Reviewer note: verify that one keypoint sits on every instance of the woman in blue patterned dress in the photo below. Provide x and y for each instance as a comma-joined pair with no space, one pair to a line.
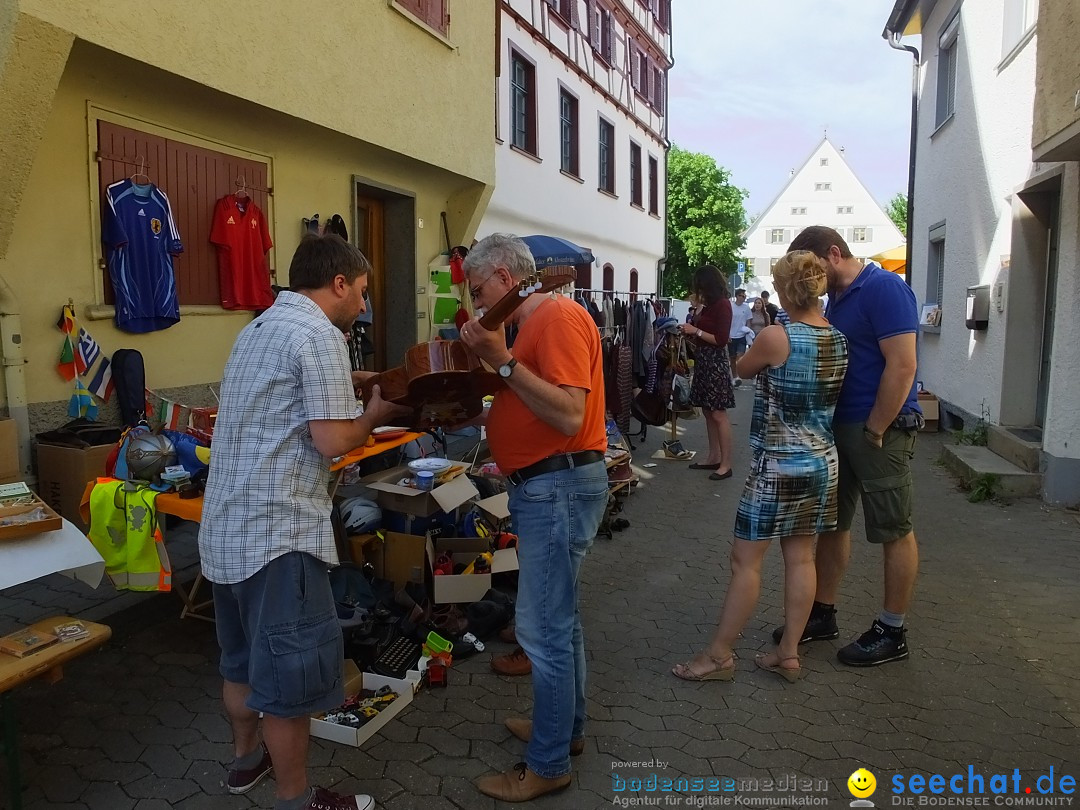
790,494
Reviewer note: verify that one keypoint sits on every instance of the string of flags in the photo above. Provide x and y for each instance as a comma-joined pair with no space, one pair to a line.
78,354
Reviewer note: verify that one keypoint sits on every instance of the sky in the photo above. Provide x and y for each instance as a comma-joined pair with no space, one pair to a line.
757,83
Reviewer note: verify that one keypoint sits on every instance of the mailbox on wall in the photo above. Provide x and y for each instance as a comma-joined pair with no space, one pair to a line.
978,307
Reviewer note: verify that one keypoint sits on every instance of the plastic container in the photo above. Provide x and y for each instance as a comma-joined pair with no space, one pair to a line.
425,480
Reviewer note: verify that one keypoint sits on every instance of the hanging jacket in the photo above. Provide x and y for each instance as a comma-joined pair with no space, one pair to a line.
124,530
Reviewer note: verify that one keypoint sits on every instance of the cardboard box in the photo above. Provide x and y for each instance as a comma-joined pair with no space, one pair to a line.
397,557
928,403
354,682
9,452
390,495
496,508
63,473
458,588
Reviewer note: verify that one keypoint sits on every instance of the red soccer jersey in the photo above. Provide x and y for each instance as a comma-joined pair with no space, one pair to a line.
242,237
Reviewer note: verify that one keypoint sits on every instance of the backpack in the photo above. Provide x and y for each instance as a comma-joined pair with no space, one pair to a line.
129,377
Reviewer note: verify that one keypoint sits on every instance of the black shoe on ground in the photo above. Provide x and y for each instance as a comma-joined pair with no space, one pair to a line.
241,781
878,645
821,626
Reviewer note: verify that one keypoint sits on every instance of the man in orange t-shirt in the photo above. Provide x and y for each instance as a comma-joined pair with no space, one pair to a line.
546,432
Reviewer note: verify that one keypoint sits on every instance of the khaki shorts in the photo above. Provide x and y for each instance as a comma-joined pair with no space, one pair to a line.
881,476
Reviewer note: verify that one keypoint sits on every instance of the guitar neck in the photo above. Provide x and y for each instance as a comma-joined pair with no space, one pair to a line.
550,279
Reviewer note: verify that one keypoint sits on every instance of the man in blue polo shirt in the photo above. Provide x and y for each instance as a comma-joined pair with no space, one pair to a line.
877,418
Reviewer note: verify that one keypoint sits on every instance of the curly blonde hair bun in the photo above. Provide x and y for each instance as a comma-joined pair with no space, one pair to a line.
800,280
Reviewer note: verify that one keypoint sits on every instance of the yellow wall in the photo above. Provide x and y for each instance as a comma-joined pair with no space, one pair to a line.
1057,78
51,254
354,66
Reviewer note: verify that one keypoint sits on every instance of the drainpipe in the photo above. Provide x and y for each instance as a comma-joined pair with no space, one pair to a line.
893,38
12,360
661,263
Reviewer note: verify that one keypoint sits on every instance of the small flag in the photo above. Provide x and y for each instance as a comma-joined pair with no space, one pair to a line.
81,403
102,384
172,416
89,351
66,365
66,324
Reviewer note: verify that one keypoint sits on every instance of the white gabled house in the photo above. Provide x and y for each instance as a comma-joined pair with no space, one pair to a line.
824,191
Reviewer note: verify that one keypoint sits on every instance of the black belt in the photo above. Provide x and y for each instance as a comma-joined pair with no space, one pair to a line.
563,461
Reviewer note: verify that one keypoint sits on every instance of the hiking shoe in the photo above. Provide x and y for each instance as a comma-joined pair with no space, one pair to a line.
513,663
878,645
821,626
241,781
322,799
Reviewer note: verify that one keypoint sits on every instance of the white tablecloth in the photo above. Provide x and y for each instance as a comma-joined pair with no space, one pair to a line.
65,551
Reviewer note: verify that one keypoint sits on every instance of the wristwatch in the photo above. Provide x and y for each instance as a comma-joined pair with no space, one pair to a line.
506,369
699,333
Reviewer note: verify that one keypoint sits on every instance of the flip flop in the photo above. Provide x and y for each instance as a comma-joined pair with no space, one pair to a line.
719,476
724,671
696,466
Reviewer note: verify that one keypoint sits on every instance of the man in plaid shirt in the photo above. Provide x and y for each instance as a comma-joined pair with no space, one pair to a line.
287,408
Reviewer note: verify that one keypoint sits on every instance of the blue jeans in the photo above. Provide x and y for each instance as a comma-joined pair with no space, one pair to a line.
555,517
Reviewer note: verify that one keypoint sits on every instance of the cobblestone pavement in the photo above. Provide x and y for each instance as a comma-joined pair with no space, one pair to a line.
993,680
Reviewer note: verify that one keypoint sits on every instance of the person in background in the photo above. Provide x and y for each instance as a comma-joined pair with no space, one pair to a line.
740,320
770,309
759,317
790,494
265,541
547,433
876,424
710,385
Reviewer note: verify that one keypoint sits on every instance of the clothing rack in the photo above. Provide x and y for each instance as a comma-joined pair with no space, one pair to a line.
637,293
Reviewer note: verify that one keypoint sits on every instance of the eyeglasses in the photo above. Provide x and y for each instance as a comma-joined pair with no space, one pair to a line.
474,292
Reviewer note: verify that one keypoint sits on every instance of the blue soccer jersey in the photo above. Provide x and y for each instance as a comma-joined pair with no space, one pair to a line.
141,239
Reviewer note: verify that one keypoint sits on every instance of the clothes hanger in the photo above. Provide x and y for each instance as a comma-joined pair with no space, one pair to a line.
141,172
241,188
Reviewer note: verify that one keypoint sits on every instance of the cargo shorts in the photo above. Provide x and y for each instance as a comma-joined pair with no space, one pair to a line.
279,634
880,476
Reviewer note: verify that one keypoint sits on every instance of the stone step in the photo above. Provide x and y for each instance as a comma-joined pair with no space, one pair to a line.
971,462
1021,446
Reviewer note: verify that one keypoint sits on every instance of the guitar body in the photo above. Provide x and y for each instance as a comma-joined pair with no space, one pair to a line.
442,380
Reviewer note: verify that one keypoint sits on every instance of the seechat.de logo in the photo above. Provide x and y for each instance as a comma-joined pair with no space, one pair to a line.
862,785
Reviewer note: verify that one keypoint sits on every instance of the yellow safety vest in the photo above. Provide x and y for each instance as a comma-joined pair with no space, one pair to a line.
124,530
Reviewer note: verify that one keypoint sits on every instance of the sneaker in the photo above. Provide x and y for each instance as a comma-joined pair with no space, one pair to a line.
878,645
513,663
821,626
241,781
322,799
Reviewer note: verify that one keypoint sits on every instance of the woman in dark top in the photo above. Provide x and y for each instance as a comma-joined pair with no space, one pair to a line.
710,387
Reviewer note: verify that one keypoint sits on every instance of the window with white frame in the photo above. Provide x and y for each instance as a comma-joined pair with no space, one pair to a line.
823,162
948,53
1020,18
935,270
749,267
776,236
845,209
860,234
822,186
798,211
773,263
568,132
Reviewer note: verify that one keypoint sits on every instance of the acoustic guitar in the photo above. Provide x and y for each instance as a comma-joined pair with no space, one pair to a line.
442,380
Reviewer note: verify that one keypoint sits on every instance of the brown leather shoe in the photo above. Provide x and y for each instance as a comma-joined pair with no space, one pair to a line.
519,784
513,663
508,634
521,727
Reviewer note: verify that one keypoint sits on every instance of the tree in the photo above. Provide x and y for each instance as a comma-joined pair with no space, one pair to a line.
706,219
897,211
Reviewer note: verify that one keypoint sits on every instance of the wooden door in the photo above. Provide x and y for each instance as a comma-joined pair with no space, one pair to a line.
371,239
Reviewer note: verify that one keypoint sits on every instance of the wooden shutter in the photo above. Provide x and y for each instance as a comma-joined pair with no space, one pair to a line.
193,179
609,33
575,20
634,58
594,23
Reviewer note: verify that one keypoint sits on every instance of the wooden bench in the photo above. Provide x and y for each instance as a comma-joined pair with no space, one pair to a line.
46,664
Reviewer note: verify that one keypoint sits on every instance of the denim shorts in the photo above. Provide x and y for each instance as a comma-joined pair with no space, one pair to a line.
278,631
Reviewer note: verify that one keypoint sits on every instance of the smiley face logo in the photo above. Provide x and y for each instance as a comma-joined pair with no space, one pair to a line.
862,784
